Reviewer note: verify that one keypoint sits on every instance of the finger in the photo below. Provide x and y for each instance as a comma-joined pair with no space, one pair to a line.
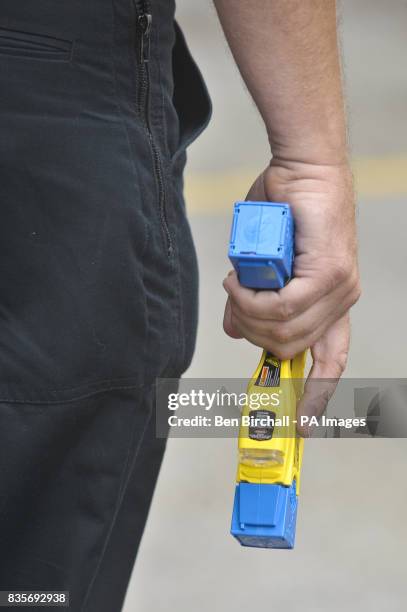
257,191
319,316
282,305
227,322
236,291
282,350
329,355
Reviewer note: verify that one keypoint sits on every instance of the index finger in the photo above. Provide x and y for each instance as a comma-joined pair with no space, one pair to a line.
280,305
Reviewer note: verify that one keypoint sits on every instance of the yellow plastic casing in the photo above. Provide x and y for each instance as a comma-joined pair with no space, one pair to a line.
280,382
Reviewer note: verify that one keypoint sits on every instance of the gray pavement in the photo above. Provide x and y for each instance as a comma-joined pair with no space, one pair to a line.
352,530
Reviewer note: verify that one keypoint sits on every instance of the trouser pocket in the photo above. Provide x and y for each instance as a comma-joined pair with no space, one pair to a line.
191,98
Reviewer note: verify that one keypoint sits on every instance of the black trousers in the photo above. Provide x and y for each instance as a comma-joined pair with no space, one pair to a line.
98,281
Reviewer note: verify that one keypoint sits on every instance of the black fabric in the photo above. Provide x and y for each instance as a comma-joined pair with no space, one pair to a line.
93,305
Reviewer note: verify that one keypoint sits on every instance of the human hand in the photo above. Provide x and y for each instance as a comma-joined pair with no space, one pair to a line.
312,310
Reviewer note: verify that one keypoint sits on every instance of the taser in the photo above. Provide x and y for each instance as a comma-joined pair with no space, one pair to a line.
264,515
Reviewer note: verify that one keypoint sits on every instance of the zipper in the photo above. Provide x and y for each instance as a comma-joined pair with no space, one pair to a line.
144,24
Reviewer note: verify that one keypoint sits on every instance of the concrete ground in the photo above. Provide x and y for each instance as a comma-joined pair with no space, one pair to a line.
351,530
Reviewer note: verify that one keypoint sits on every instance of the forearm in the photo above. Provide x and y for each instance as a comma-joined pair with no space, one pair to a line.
287,52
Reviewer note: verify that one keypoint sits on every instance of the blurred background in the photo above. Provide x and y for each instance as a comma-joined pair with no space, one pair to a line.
351,531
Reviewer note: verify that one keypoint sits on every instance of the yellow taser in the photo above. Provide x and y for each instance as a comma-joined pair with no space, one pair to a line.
270,451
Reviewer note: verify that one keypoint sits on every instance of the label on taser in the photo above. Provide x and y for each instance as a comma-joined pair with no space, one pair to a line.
270,372
261,424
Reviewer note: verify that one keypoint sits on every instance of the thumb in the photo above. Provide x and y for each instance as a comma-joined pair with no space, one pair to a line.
257,191
329,356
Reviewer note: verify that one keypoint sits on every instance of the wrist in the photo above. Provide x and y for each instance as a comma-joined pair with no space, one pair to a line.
311,152
322,142
291,168
308,183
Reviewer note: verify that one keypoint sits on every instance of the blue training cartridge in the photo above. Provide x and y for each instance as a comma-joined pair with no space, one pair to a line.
262,244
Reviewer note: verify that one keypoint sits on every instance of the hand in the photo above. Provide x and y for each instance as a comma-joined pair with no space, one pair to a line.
312,310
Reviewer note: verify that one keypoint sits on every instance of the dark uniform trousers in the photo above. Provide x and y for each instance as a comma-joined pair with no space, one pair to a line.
98,282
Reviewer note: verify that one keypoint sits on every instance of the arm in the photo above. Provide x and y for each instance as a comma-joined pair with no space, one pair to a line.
287,53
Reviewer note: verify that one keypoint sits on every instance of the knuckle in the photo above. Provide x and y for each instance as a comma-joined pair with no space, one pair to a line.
341,360
344,268
283,352
357,291
344,271
279,350
339,273
354,297
282,334
246,307
285,310
337,362
354,291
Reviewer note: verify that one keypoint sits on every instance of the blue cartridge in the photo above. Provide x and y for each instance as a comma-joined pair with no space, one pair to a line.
261,244
264,515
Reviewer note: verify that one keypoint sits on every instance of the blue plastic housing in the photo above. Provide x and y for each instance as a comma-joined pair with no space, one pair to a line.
262,244
264,515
